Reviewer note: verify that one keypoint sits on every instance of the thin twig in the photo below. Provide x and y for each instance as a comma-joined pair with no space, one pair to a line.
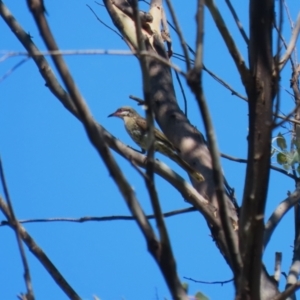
16,66
209,282
10,54
101,219
140,101
245,161
288,120
41,256
276,61
226,85
182,92
57,52
215,77
291,45
180,35
110,28
229,41
237,21
16,226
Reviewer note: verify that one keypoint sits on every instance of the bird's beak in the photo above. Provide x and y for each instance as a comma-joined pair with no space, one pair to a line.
113,115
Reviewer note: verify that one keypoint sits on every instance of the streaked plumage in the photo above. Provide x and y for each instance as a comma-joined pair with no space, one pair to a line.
136,126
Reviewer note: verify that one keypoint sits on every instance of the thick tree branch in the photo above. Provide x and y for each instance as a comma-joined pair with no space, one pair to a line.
165,257
94,132
260,90
185,138
188,192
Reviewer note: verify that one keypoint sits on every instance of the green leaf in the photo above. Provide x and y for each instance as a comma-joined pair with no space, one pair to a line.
281,158
200,296
281,143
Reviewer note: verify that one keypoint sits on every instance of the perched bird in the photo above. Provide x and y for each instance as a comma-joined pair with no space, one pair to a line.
136,126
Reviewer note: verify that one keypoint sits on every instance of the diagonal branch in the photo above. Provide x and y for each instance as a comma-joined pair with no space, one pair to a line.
180,35
194,80
237,21
17,228
188,192
231,46
291,45
279,213
94,132
42,257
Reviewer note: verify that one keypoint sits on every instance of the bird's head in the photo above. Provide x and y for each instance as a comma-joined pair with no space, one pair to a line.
123,112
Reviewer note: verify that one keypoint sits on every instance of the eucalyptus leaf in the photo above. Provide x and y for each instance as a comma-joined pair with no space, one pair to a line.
281,142
281,158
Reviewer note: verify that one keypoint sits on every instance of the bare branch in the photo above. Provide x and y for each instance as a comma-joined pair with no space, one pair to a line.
42,257
209,282
180,35
288,292
237,21
94,132
232,48
242,160
16,66
279,213
277,269
182,92
261,89
188,192
110,28
226,85
291,45
194,80
294,270
17,228
101,219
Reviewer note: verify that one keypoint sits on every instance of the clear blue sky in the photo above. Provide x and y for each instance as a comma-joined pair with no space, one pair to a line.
53,171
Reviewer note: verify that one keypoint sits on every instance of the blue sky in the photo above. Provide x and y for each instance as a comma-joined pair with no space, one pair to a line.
53,171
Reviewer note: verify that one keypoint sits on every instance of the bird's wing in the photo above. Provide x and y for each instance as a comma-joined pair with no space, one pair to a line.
162,138
142,124
159,136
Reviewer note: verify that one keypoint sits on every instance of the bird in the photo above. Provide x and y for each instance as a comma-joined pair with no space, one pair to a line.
136,127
